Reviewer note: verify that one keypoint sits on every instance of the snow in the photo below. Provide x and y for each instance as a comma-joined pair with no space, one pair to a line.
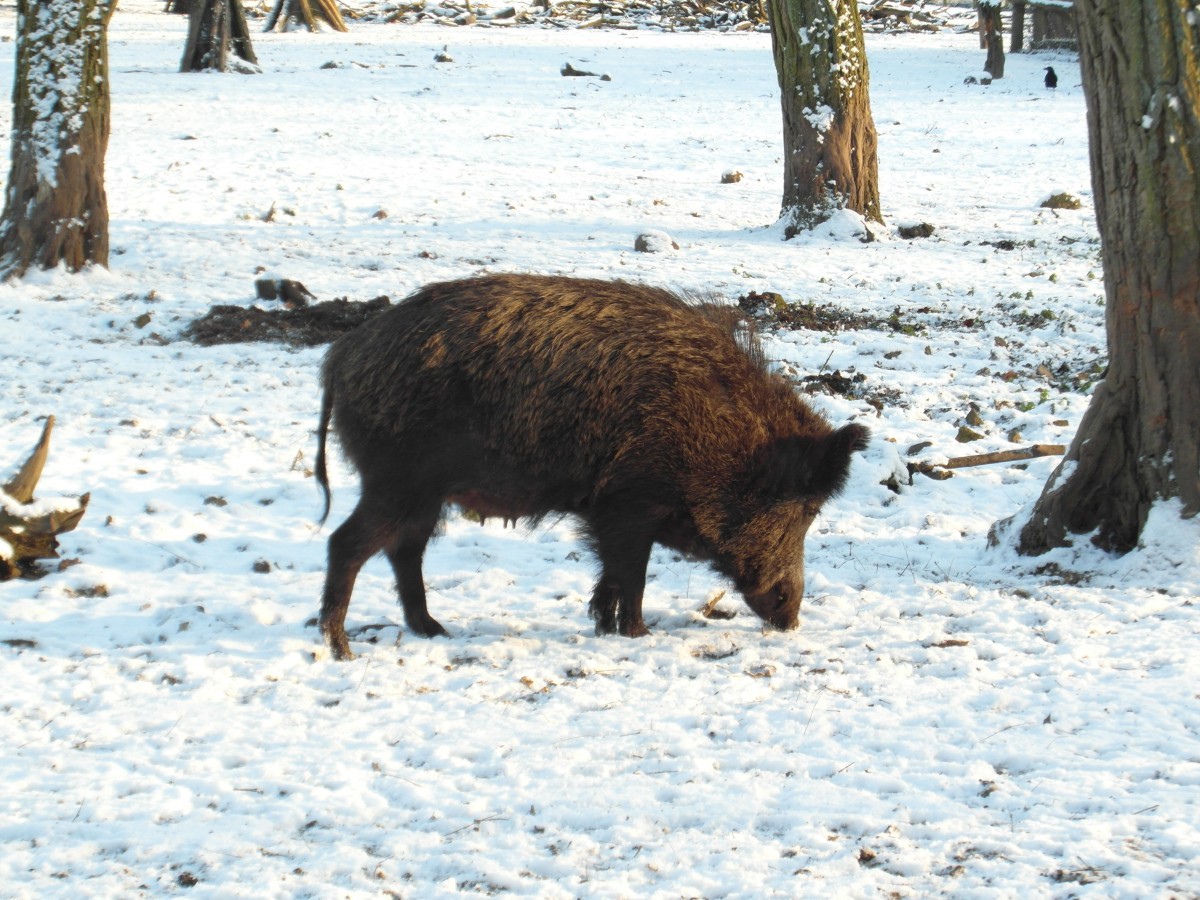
950,720
655,241
41,506
820,120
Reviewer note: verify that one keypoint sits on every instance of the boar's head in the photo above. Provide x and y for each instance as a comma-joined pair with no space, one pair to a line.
788,484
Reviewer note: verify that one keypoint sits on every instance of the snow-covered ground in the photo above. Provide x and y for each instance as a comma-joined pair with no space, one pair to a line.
949,721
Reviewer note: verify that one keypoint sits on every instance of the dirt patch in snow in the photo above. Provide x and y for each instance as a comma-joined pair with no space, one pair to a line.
307,326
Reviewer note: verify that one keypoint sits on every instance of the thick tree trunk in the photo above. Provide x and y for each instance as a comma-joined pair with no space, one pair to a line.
991,37
1140,439
1053,27
1017,42
215,27
55,209
302,11
829,140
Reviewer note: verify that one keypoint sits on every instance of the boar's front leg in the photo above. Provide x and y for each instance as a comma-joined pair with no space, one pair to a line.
624,554
405,558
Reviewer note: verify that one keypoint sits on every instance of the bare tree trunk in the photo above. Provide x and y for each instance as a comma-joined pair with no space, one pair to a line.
55,209
991,36
215,27
829,140
302,11
1139,441
1017,42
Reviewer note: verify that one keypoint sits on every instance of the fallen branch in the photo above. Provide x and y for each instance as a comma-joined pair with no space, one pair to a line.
987,459
939,471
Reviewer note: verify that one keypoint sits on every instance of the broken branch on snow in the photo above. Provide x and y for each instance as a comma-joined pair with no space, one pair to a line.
940,471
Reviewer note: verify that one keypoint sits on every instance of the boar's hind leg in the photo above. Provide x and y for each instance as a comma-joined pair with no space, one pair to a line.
617,599
357,539
405,556
369,529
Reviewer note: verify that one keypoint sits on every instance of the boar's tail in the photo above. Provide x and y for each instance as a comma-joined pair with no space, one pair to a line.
322,433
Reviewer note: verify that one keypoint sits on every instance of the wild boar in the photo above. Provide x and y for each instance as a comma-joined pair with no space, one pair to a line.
650,417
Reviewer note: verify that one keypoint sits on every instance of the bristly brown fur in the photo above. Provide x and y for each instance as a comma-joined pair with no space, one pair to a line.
651,418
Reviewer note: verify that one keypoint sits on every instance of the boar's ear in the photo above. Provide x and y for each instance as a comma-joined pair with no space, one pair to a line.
816,465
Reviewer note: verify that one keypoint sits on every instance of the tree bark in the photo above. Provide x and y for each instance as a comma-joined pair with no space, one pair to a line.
1053,27
1016,43
829,139
302,11
1139,441
214,28
991,37
55,208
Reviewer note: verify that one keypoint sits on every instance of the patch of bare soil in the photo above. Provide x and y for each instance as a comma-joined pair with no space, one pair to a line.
306,326
772,310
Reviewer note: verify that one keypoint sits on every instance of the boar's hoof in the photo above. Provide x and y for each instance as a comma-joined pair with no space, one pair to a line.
634,629
339,646
429,627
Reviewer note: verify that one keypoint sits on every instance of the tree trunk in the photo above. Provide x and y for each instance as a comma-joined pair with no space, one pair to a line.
1053,27
286,11
991,36
1139,441
1017,42
215,27
55,209
829,138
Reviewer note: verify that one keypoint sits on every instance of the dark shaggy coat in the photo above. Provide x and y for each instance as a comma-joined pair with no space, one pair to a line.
650,417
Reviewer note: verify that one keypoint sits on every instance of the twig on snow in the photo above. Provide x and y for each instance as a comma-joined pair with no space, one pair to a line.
477,822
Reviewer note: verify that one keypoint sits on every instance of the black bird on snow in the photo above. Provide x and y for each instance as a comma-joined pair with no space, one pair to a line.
1051,78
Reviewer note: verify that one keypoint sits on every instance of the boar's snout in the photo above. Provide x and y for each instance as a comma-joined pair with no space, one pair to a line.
779,606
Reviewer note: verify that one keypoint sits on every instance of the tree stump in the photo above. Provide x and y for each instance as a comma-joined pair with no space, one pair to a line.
28,531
